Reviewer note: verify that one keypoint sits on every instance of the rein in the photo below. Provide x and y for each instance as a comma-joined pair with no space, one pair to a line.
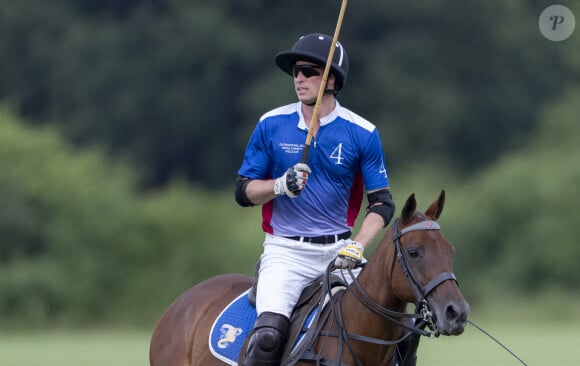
498,342
423,316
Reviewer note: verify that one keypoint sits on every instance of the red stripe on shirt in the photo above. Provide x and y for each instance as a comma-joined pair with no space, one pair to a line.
355,199
267,209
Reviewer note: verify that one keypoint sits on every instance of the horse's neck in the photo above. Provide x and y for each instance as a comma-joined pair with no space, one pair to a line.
359,319
376,282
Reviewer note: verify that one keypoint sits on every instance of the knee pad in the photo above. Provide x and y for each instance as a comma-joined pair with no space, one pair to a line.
266,346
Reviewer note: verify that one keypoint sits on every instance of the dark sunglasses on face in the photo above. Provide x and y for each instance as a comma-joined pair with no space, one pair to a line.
307,70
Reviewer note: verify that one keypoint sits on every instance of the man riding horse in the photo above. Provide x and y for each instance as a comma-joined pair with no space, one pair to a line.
309,209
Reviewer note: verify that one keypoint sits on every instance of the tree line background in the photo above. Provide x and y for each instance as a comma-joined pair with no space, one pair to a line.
123,123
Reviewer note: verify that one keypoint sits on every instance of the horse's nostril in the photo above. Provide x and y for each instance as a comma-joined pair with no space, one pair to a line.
457,313
451,312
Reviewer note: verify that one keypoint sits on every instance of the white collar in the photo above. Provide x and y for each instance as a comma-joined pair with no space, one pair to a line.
323,121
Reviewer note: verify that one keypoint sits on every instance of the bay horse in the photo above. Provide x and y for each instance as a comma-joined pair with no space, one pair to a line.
363,324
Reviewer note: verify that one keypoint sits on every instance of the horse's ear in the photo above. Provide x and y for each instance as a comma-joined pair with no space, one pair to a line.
436,207
409,208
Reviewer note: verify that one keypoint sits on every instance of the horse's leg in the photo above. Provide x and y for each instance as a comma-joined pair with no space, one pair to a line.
181,335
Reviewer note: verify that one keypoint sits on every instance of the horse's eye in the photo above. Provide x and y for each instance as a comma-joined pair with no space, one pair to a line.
413,252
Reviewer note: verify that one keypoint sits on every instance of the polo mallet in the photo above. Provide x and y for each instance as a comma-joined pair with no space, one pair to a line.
322,88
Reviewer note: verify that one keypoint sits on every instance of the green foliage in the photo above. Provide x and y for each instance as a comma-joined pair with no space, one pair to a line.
64,224
165,82
522,232
514,224
79,246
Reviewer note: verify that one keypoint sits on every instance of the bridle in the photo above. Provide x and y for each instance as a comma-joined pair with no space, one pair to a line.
419,290
422,318
423,315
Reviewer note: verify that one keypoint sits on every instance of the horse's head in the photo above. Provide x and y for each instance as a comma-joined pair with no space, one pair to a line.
423,270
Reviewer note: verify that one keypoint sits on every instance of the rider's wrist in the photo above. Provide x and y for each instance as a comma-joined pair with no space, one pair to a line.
279,187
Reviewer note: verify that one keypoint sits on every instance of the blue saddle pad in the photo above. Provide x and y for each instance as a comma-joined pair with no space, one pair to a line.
231,328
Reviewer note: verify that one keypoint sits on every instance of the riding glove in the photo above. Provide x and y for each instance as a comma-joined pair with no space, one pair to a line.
293,181
349,256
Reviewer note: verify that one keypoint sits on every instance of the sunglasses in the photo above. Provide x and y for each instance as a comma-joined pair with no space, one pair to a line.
307,70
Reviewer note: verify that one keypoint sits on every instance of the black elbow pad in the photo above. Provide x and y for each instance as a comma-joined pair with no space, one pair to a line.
381,202
240,192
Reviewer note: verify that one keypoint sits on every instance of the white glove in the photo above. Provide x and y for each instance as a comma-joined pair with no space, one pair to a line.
349,256
293,181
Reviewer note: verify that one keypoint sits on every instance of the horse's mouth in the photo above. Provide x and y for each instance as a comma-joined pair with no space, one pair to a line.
452,329
454,319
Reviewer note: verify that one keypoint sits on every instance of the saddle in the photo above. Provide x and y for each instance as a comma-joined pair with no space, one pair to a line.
233,327
304,317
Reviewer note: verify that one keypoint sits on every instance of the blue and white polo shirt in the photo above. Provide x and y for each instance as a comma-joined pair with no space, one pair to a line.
346,158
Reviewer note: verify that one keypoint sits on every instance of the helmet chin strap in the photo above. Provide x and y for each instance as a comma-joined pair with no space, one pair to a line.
326,91
331,91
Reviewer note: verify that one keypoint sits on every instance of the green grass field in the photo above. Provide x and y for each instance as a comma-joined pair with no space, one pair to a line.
536,344
113,348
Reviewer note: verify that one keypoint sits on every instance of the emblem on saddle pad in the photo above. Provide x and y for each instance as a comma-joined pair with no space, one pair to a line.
229,335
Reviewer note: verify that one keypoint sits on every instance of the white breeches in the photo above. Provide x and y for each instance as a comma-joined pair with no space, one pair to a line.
287,267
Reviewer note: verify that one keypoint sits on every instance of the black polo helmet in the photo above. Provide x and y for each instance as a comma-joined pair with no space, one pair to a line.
315,48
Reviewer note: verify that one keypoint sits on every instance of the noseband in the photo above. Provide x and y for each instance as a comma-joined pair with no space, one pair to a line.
421,291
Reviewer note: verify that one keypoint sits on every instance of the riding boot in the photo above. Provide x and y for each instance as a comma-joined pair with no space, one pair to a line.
266,345
410,353
406,351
